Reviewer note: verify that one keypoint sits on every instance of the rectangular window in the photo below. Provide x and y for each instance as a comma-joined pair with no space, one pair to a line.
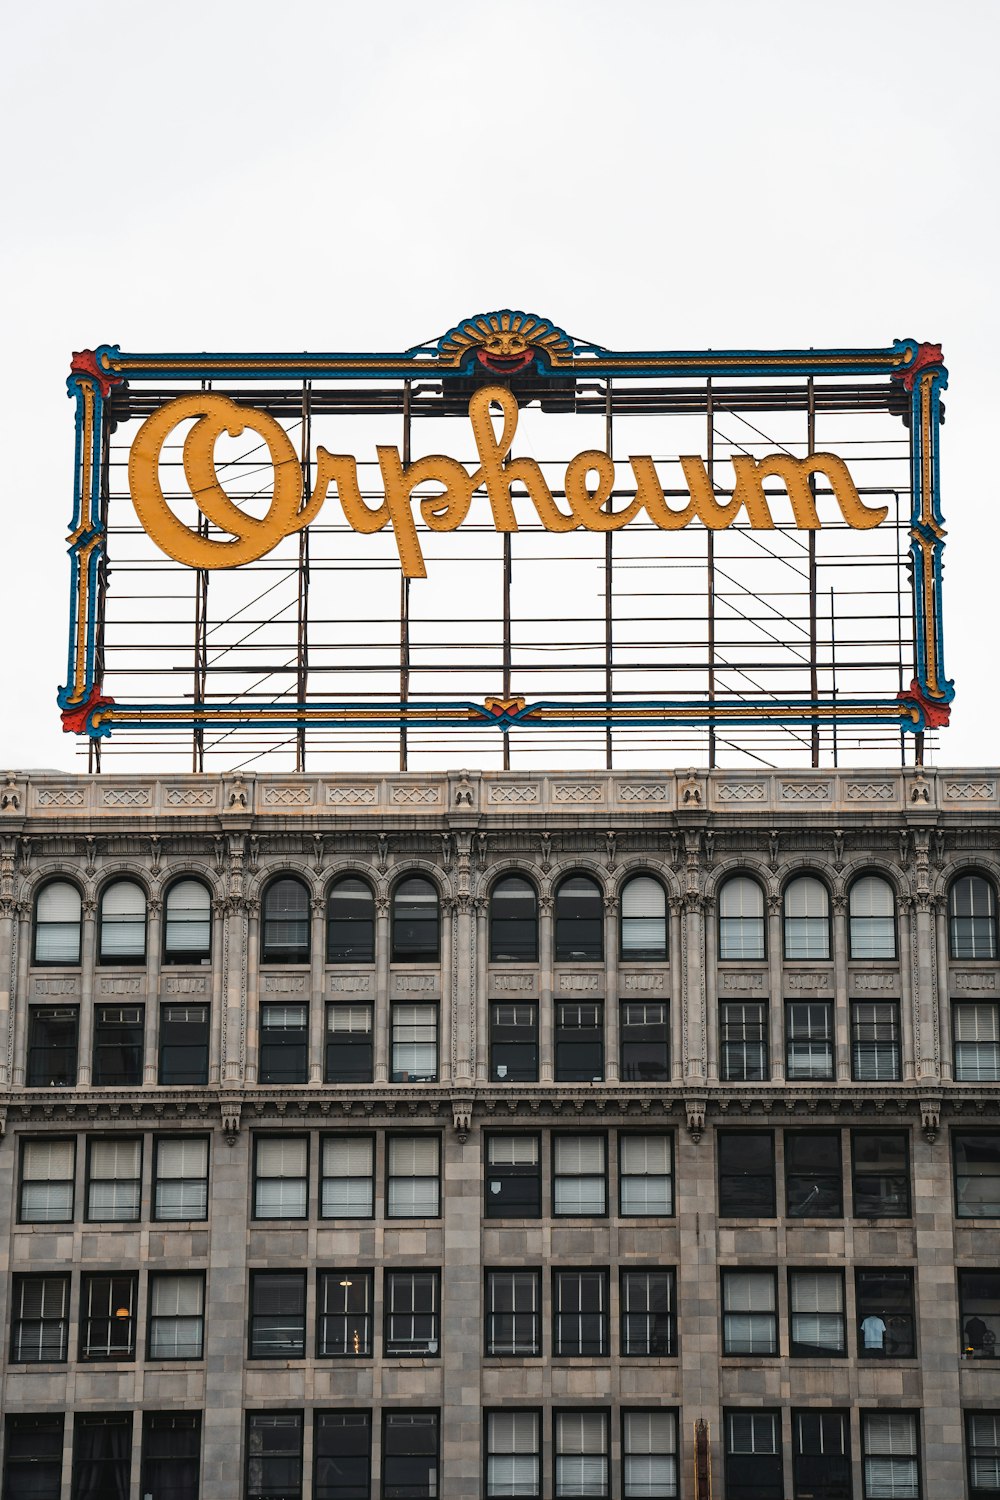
579,1043
52,1046
885,1314
118,1045
645,1176
513,1177
982,1447
979,1313
349,1054
816,1314
753,1455
180,1187
414,1044
644,1037
410,1455
579,1175
47,1171
344,1308
102,1455
274,1455
171,1452
749,1312
513,1453
39,1324
33,1449
176,1315
881,1174
875,1056
580,1313
889,1446
977,1043
647,1313
977,1174
581,1448
414,1177
514,1041
412,1314
809,1039
821,1455
743,1033
281,1177
746,1174
514,1313
814,1182
183,1044
114,1179
107,1317
649,1454
342,1448
284,1044
277,1314
347,1183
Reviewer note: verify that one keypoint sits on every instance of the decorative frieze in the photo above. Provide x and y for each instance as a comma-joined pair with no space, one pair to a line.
67,986
808,982
349,984
500,793
283,984
190,796
127,796
741,791
642,984
973,982
580,984
351,796
806,791
59,796
120,985
415,796
427,986
287,796
863,982
516,986
578,791
970,791
643,791
741,984
185,984
870,791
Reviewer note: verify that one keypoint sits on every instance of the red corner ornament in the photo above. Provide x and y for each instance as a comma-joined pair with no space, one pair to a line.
501,706
74,720
927,354
85,362
936,714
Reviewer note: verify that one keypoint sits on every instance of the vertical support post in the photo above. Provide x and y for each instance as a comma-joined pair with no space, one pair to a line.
381,1019
317,997
813,617
833,671
545,984
302,651
710,466
609,610
154,951
611,987
507,568
200,682
88,961
404,604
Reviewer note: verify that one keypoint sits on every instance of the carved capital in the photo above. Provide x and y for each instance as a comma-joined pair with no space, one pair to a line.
839,902
154,906
611,905
231,1111
382,906
930,1117
774,905
461,1110
545,906
89,909
694,1109
318,904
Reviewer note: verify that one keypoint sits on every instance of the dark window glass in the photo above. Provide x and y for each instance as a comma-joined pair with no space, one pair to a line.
350,923
39,1324
821,1455
645,1041
412,1314
285,925
807,918
647,1313
749,1312
872,918
809,1039
187,928
581,1446
579,1175
344,1304
881,1174
977,1175
47,1171
746,1174
176,1315
972,918
410,1455
107,1317
753,1455
114,1178
977,1042
743,1034
171,1450
580,1313
180,1182
813,1174
342,1444
122,927
875,1041
102,1456
277,1314
513,921
741,919
649,1454
33,1449
349,1054
118,1045
982,1447
414,1043
514,1312
579,1049
579,921
513,1177
513,1453
884,1304
281,1177
415,936
514,1041
817,1328
183,1044
57,925
347,1181
52,1046
274,1455
413,1177
979,1313
891,1465
284,1044
644,920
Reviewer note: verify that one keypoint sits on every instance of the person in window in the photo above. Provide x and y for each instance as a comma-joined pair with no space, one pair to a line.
979,1338
873,1331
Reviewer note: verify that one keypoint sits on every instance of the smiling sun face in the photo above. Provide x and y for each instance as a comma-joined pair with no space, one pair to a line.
505,342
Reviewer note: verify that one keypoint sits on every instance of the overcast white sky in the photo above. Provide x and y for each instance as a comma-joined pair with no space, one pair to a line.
746,173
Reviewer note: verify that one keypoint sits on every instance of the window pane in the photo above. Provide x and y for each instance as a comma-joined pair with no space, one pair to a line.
415,921
286,920
579,912
741,919
188,926
350,923
57,924
644,920
513,921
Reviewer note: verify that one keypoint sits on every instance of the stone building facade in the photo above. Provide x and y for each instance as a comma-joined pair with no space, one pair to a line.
474,1134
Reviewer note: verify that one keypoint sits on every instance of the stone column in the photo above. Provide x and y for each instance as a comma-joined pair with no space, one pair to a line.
841,1002
694,994
380,1019
611,996
8,979
939,907
215,1057
677,961
154,947
481,997
923,947
776,998
546,1013
465,952
906,983
236,935
21,925
455,948
317,996
711,930
88,956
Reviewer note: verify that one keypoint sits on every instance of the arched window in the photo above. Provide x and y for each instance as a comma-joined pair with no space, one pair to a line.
513,921
579,920
741,919
972,918
415,938
872,918
644,919
285,929
123,924
807,918
187,929
57,924
350,922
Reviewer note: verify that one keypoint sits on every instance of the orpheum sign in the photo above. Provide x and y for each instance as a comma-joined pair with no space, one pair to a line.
487,369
